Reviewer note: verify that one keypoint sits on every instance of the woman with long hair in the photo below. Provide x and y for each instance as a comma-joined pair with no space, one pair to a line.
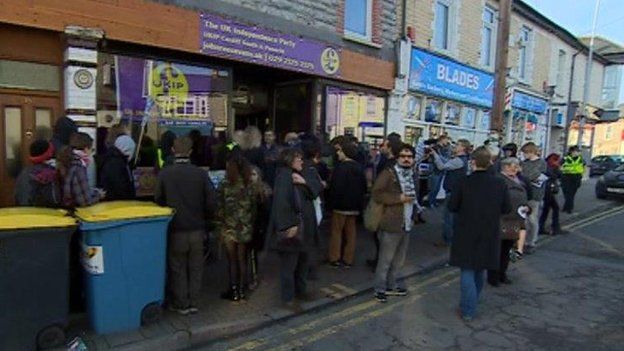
235,218
262,194
293,228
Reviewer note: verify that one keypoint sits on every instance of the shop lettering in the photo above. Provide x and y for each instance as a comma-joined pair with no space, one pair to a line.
457,77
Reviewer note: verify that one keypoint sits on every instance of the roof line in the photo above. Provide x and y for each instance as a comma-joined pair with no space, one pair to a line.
532,14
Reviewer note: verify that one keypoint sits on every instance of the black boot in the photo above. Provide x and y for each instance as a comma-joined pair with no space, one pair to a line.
241,292
235,294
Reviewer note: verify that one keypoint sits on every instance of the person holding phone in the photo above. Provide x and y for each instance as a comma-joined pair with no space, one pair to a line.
395,189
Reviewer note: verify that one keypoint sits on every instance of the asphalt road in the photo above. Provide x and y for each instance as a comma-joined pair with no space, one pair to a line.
568,295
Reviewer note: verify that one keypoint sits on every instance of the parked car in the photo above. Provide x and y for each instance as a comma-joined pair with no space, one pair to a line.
603,164
611,183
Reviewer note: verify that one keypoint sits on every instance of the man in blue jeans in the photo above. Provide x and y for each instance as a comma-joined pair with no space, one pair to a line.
478,201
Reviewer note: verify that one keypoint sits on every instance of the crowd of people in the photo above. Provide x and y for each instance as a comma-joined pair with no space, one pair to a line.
275,196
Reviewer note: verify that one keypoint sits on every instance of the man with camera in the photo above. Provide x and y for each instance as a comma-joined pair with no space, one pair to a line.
456,169
441,146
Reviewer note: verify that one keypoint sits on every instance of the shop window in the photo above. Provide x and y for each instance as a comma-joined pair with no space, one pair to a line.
413,107
31,76
452,114
485,120
488,37
354,112
468,118
433,111
358,19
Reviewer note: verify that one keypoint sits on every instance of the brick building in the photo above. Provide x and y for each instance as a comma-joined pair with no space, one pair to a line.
545,79
215,66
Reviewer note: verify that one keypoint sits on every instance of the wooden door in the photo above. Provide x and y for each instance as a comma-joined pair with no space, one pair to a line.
23,119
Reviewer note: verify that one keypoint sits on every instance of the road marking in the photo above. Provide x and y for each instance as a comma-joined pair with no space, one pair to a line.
344,288
605,245
370,304
374,309
595,217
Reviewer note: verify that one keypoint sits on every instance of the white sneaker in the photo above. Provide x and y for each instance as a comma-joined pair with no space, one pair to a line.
180,311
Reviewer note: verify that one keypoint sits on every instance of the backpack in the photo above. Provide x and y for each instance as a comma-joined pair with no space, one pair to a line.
44,193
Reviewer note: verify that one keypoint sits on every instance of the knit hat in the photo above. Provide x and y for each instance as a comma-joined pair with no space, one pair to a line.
41,151
126,145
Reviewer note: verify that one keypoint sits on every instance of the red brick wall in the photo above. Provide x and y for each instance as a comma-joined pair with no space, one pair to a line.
376,25
340,12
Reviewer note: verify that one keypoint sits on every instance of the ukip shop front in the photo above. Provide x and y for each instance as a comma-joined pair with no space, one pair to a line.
253,77
446,98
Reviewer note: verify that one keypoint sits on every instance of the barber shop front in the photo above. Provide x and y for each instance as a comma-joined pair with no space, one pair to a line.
445,97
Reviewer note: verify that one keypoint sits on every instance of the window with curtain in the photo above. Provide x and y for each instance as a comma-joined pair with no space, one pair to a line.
358,18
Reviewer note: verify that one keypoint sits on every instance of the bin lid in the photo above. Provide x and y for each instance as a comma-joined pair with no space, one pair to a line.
121,210
34,217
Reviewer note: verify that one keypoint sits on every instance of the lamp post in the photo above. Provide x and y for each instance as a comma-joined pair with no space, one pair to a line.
588,69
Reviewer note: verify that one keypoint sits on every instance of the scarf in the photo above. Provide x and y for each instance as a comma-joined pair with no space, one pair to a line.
405,177
84,157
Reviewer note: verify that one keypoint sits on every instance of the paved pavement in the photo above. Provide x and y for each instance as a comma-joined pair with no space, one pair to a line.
220,318
566,296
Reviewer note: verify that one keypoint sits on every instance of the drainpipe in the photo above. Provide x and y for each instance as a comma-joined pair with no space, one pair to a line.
569,114
404,20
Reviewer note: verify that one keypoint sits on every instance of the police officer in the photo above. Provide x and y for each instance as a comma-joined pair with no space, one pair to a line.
572,168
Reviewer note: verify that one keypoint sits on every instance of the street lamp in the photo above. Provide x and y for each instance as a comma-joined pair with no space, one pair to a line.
588,69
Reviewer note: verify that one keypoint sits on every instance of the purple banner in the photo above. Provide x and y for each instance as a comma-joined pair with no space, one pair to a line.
184,95
225,38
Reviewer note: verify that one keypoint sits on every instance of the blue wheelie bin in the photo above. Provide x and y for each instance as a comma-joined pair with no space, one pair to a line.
34,277
124,250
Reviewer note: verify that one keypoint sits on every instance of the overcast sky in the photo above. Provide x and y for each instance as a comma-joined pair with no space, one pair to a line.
576,16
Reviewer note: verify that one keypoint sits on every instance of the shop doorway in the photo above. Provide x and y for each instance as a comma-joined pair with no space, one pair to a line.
23,119
292,110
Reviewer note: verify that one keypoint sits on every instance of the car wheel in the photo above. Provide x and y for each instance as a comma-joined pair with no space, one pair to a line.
601,194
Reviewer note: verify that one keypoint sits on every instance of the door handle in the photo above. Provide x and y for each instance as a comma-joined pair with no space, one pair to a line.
29,134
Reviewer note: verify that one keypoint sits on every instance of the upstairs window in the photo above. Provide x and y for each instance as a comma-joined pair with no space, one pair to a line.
488,37
358,19
523,53
441,33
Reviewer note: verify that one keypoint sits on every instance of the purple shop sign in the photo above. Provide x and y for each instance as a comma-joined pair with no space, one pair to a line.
225,38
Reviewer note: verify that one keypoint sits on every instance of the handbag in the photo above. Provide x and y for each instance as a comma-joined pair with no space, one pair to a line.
372,215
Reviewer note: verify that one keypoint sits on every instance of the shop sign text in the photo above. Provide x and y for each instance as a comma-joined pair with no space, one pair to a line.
435,75
529,103
225,38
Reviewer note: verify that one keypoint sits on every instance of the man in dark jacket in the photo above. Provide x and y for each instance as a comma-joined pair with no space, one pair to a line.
188,189
346,198
476,245
115,175
456,169
38,185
